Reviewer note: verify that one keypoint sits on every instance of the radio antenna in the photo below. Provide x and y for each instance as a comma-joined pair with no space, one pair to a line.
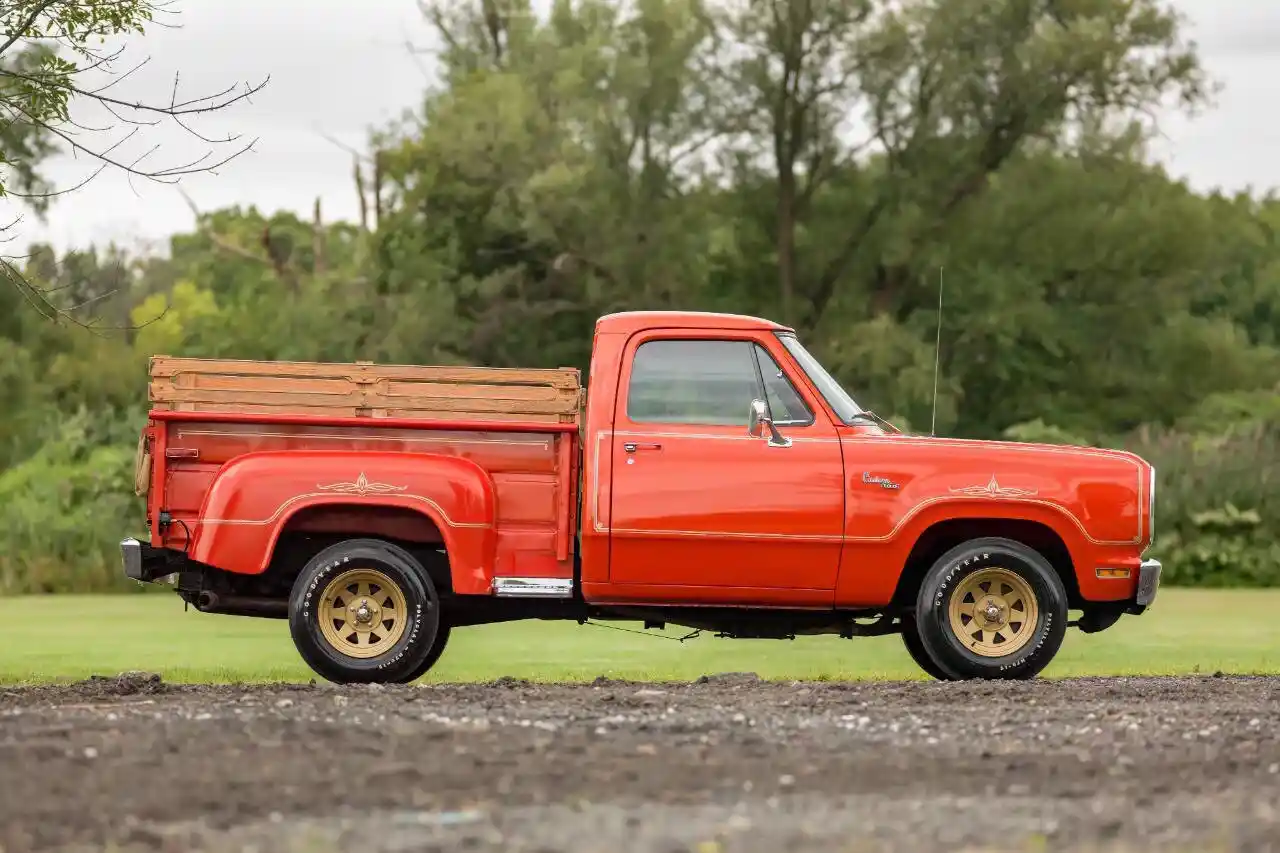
937,360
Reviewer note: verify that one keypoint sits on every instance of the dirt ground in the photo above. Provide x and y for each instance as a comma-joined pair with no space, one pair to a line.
728,763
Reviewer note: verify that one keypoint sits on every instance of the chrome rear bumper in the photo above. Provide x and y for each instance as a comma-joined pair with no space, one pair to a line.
1148,582
131,556
143,563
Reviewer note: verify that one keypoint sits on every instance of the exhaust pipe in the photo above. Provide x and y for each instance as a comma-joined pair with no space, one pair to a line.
242,605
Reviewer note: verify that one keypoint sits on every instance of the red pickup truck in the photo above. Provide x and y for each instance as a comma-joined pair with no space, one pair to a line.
715,477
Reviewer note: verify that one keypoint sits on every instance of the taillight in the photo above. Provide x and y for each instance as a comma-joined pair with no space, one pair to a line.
1151,508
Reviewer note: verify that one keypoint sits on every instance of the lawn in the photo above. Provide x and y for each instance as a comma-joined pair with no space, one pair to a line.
59,638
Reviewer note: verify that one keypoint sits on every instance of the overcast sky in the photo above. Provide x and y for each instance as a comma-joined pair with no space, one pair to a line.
338,67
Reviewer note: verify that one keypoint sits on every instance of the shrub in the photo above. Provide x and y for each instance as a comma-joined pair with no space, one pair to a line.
64,510
1039,432
1228,548
1217,490
1217,503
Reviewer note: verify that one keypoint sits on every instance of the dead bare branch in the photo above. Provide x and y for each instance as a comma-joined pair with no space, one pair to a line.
221,242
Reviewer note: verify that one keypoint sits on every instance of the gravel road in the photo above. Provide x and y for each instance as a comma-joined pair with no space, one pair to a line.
728,763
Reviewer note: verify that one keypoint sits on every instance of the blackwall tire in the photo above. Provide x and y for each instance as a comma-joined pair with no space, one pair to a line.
363,611
992,608
433,654
915,648
443,631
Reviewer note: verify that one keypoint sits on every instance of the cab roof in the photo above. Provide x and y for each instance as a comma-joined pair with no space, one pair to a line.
630,322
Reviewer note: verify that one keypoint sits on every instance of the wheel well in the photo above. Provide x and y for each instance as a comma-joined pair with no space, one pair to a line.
313,529
945,535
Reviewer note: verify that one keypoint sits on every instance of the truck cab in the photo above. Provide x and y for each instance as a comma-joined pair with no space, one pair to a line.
717,478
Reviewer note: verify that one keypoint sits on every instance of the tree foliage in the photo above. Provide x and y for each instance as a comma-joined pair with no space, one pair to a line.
839,164
53,57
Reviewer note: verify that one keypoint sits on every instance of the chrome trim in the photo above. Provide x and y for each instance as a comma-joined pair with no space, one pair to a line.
533,587
131,557
758,420
1148,582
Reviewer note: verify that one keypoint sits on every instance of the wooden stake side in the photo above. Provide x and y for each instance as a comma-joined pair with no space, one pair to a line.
365,390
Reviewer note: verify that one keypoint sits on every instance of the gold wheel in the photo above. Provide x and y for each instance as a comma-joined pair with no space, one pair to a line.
994,612
362,613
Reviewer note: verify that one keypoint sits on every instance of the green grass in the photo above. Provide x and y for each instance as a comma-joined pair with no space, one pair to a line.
60,638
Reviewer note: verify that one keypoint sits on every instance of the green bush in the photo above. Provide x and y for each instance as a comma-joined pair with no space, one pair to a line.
1217,488
1217,503
1227,549
64,510
1039,432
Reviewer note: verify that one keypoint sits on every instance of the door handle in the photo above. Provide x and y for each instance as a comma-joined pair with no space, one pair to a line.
632,447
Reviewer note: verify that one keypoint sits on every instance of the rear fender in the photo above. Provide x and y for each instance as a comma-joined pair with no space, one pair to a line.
255,495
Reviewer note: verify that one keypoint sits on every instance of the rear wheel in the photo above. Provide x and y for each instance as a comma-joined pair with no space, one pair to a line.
442,631
364,611
991,608
915,648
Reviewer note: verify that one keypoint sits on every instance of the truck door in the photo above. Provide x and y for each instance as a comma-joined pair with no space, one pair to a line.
699,503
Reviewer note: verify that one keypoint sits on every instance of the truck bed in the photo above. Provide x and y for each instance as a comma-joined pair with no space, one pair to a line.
519,426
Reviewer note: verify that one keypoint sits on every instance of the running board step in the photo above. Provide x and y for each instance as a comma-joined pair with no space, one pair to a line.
533,587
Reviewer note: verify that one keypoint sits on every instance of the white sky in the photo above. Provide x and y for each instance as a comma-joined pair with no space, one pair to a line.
339,67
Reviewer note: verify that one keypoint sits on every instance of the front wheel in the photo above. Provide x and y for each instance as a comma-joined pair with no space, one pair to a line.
992,608
433,655
363,611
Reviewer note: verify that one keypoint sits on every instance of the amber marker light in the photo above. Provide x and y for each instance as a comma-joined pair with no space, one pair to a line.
1113,574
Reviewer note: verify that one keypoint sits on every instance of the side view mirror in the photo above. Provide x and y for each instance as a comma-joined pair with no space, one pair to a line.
758,422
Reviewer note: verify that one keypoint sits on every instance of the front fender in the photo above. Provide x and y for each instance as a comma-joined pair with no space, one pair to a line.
889,553
1095,501
253,497
1049,515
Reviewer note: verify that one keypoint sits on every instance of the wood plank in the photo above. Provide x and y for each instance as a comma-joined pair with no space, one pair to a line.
225,382
365,390
398,389
377,414
358,399
560,377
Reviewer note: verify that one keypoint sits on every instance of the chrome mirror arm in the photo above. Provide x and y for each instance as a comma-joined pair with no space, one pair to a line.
758,421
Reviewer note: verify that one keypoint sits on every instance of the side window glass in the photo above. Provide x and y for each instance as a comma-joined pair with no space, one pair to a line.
786,406
692,382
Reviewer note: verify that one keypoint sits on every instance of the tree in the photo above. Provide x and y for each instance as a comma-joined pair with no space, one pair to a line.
787,75
551,179
913,106
52,58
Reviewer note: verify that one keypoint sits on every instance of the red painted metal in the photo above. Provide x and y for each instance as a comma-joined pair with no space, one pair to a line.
522,470
697,515
710,506
718,517
255,496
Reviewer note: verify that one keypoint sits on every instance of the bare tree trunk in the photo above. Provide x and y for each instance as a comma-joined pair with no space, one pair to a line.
360,194
377,189
317,241
785,240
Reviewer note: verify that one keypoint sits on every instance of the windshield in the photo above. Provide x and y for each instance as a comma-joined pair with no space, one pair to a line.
830,389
